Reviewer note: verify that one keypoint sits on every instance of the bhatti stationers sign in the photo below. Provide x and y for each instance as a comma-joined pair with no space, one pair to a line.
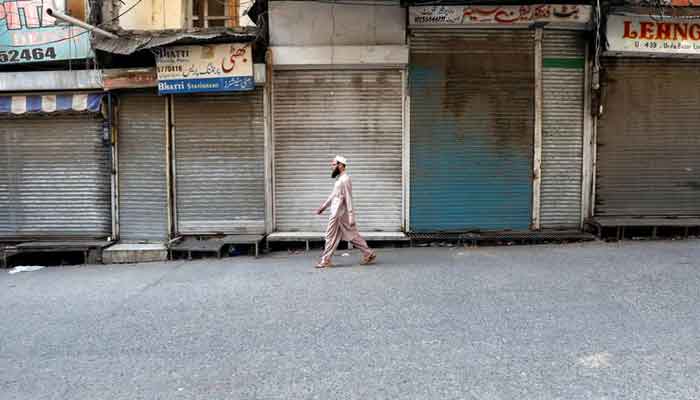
205,68
653,35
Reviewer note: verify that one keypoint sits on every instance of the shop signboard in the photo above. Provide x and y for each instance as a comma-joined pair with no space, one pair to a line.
654,35
28,34
205,68
567,15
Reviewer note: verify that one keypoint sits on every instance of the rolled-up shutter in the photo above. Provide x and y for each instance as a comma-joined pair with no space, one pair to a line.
55,177
143,202
563,62
219,151
648,142
357,114
472,116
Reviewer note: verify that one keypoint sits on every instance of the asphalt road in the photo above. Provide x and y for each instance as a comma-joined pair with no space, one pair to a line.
583,321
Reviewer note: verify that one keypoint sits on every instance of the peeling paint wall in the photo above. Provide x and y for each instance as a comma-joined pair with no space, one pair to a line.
152,14
313,23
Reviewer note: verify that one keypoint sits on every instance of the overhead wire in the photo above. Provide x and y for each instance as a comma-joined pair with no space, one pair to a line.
225,3
259,21
84,31
383,3
365,2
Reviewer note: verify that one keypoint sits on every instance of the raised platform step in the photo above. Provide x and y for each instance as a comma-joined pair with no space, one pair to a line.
130,253
91,249
309,237
525,236
215,245
619,224
6,251
319,236
641,222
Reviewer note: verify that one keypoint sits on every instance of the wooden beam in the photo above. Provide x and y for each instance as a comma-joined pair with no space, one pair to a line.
76,9
232,11
204,13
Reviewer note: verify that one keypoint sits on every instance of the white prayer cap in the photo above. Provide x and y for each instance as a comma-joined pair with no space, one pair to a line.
341,160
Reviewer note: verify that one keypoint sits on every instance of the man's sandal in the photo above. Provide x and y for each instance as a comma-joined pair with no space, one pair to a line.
369,259
323,265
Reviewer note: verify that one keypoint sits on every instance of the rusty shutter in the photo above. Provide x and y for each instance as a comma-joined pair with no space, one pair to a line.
219,163
143,203
55,177
648,142
321,113
563,62
472,116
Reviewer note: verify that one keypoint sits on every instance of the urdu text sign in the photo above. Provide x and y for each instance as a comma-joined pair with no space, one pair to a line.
205,68
572,15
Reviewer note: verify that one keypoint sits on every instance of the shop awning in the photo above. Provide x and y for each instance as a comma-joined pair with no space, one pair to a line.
87,102
130,42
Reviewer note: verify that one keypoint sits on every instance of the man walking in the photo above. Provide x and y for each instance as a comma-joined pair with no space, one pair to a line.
341,223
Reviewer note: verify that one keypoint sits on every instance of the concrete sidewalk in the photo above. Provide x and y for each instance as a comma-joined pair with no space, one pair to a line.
583,321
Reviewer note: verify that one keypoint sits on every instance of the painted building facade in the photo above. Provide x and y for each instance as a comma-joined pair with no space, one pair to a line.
214,118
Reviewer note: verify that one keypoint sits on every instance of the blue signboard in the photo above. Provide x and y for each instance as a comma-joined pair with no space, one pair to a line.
228,84
28,34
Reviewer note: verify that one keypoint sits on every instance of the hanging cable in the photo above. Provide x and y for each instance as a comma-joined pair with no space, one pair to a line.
597,16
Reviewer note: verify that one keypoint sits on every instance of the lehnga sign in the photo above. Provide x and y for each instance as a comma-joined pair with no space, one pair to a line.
565,14
655,35
205,68
28,34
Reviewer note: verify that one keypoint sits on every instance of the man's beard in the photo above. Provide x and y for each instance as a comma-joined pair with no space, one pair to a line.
335,173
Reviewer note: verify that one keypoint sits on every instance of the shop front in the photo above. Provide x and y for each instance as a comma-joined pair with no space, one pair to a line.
142,167
648,146
55,167
217,138
321,112
218,163
496,117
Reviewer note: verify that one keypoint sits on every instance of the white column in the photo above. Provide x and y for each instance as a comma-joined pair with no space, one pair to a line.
537,157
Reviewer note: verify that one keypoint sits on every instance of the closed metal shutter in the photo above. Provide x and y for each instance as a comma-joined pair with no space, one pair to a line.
143,202
55,179
357,114
472,116
219,163
563,64
648,141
